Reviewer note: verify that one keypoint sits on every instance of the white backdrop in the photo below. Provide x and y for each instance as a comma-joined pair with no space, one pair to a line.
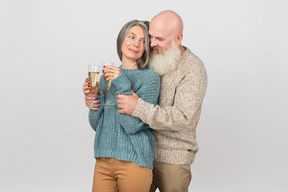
46,143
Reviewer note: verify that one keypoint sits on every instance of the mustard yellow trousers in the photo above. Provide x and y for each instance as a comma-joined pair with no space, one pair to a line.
112,175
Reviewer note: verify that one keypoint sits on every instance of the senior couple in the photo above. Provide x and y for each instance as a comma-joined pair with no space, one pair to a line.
147,140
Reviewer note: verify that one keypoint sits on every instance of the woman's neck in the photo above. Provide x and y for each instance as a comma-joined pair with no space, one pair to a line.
128,64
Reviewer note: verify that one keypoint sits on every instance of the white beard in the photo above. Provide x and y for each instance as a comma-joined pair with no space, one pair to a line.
165,61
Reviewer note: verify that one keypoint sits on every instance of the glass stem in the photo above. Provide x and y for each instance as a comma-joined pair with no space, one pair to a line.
108,93
91,104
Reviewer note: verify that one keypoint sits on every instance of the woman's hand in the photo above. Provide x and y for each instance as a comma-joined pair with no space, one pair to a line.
90,96
111,72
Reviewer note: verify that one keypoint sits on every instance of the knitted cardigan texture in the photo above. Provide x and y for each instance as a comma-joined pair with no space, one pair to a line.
175,119
123,136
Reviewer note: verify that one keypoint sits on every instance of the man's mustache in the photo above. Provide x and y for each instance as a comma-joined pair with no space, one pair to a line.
156,48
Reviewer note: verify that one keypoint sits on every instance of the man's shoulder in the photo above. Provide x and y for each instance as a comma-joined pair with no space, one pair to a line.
190,62
189,57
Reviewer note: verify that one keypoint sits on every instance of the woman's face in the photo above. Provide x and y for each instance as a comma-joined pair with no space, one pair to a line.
133,45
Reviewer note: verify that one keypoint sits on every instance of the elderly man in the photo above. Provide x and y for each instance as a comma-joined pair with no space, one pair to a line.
174,120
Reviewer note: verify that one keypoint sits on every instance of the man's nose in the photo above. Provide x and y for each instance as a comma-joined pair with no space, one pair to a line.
153,43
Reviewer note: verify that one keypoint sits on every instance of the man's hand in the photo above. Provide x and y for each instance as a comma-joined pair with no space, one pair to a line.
127,103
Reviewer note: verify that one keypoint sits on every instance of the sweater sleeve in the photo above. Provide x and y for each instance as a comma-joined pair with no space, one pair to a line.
148,91
187,103
95,116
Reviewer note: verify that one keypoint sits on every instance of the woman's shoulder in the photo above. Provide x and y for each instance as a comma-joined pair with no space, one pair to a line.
148,72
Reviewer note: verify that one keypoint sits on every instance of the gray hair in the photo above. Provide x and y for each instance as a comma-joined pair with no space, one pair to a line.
143,60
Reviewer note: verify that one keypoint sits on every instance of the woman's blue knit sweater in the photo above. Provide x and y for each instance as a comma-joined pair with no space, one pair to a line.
122,136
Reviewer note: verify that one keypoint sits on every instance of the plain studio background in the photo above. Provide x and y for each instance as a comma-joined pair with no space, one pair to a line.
46,143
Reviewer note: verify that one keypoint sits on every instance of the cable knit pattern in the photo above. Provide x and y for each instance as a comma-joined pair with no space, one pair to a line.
123,136
175,119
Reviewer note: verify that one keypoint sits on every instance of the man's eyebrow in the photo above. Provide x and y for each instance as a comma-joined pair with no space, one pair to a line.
158,37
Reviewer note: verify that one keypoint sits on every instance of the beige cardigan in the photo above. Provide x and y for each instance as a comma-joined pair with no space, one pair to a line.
175,119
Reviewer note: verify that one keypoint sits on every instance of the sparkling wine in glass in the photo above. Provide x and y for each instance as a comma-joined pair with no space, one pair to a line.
108,84
93,75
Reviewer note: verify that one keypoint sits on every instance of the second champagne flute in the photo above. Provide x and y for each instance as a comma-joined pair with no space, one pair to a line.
108,84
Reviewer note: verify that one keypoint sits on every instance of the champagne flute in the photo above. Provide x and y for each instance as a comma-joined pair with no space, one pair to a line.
108,84
93,74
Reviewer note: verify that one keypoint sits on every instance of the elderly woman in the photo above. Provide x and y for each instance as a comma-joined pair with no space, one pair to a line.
124,145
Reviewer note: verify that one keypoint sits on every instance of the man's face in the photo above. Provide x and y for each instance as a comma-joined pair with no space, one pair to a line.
160,39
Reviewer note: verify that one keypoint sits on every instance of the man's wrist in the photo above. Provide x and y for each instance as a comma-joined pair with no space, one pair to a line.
137,107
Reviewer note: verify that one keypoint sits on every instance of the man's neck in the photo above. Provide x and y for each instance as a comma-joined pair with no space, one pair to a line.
182,49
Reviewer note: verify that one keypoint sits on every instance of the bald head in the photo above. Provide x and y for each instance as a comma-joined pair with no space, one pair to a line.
170,20
165,29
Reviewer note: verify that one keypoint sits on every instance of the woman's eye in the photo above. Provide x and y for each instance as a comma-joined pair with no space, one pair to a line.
131,37
143,41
